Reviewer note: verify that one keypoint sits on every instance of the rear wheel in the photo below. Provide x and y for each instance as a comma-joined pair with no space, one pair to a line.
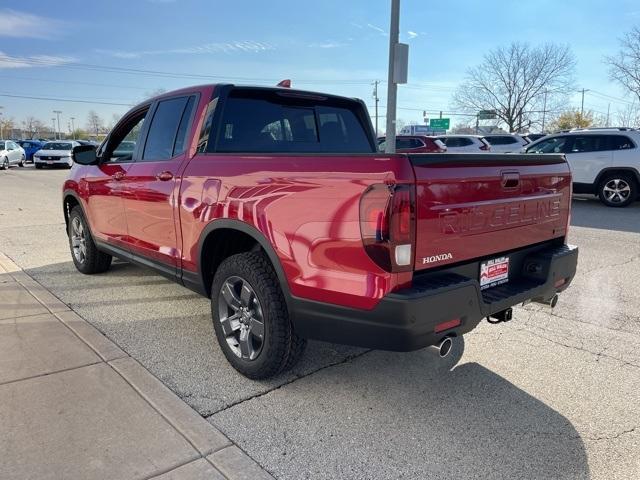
4,163
618,189
86,256
21,164
251,319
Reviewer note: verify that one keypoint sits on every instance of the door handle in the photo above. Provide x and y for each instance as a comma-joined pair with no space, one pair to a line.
118,176
164,176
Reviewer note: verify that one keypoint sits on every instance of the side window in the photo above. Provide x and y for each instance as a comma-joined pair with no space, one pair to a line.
551,145
465,142
163,131
589,143
416,143
620,142
180,145
124,139
404,143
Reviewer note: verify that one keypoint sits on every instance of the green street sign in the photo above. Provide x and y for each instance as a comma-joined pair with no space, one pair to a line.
439,123
487,114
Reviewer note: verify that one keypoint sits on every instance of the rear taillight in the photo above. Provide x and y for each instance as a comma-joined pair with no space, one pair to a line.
387,225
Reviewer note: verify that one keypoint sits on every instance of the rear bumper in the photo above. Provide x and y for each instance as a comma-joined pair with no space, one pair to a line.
406,320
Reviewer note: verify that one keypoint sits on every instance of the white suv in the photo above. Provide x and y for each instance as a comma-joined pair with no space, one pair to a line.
506,143
465,143
604,162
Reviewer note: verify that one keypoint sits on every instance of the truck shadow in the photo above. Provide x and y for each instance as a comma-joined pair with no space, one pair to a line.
588,211
400,414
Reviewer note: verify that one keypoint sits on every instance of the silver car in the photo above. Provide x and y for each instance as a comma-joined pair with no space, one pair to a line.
56,153
11,154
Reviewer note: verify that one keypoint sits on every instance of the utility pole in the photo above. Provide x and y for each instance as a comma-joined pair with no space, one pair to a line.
55,135
392,87
608,111
58,112
1,125
582,104
375,97
73,128
544,109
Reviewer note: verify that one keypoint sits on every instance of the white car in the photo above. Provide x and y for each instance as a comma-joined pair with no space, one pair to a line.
11,154
465,143
505,142
59,152
604,162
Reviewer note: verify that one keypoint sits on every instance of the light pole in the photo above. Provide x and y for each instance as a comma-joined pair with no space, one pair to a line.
544,109
398,58
58,112
1,125
73,128
55,135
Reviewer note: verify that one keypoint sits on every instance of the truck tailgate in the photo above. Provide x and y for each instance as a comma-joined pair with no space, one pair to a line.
471,206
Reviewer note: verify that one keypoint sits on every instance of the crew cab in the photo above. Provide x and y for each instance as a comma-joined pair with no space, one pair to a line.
276,204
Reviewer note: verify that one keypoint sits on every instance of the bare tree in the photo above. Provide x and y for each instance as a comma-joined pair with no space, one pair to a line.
518,82
629,116
624,67
33,127
95,124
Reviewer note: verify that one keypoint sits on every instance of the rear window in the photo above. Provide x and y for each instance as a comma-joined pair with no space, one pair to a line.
266,122
620,142
589,143
501,140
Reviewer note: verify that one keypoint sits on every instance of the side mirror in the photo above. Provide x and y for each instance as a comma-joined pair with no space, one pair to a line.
85,155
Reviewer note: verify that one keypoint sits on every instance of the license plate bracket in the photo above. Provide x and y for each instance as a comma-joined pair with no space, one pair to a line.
494,272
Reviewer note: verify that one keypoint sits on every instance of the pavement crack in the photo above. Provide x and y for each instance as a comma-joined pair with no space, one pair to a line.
347,359
612,437
612,265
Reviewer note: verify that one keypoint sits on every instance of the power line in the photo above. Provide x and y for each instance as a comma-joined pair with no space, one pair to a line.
65,100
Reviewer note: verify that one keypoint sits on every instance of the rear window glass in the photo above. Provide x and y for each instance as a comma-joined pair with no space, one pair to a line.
501,140
589,143
265,122
620,142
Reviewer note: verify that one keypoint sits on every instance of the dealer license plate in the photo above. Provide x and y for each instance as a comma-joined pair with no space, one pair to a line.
494,272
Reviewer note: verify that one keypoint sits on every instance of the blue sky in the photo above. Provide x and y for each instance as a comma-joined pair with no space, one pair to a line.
59,49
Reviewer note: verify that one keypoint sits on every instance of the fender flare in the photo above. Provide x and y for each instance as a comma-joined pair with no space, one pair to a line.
258,236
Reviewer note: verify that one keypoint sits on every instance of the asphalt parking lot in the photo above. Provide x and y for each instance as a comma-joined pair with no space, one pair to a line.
548,395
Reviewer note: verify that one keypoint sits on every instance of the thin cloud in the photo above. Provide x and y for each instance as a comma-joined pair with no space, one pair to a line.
381,31
207,48
33,61
327,44
27,25
412,34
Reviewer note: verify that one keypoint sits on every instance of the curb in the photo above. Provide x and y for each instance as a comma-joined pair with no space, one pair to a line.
219,457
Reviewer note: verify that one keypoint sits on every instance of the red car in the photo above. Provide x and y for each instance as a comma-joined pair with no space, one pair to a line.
415,144
276,204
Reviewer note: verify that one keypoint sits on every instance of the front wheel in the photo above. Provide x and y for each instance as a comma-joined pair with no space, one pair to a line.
86,256
4,163
250,317
38,166
21,164
618,190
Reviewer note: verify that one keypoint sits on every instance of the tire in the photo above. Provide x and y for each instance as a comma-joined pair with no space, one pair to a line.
4,163
21,164
38,166
251,320
618,189
86,256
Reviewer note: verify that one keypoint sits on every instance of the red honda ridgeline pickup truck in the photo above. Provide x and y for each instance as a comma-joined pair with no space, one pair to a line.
275,203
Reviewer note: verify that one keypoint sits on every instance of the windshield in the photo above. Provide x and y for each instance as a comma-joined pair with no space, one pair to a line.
57,146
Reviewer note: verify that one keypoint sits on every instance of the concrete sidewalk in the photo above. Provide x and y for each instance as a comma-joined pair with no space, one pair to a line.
74,405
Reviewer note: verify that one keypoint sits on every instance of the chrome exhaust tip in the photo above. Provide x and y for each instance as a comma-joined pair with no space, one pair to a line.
444,347
550,302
